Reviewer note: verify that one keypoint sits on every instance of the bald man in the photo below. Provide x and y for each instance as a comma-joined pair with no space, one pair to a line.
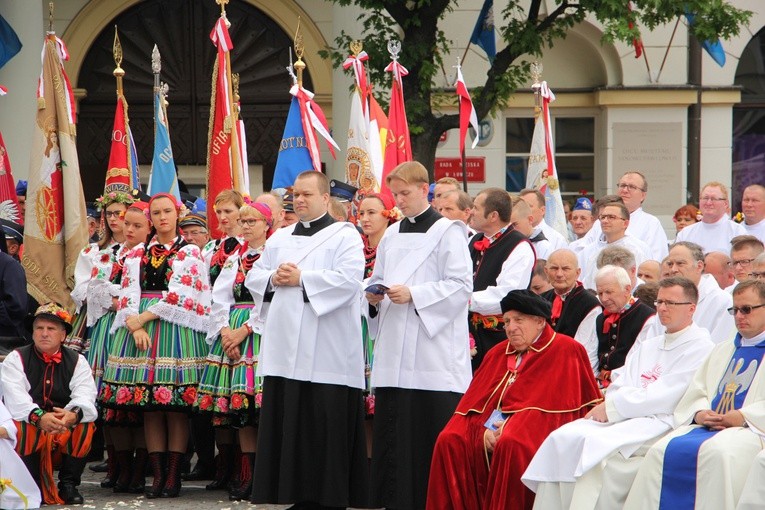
753,206
649,271
574,310
274,202
717,264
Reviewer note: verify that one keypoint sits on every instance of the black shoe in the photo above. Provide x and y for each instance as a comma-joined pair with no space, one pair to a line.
200,472
70,495
101,467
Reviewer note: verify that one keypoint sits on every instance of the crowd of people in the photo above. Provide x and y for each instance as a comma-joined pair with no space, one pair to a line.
423,349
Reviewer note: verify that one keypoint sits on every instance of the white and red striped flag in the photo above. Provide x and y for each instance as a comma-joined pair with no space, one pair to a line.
467,112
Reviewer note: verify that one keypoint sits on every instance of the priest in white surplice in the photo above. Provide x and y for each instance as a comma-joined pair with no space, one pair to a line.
753,207
703,464
307,285
566,471
421,361
632,188
716,229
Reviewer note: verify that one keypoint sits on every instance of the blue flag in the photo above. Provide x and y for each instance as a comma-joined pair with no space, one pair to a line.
294,157
135,177
163,178
714,48
9,42
483,33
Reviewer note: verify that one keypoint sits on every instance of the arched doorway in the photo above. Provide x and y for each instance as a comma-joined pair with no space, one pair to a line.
181,31
749,119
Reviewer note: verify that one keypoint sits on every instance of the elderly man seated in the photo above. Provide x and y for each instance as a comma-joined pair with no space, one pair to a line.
703,464
50,394
526,387
567,470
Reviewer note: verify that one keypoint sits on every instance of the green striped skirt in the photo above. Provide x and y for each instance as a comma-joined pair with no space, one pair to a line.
230,389
369,352
78,339
161,378
98,353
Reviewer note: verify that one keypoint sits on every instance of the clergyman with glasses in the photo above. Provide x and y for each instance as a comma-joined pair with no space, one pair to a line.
716,229
632,188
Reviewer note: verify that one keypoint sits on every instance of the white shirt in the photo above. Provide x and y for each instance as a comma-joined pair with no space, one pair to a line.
557,241
515,274
712,236
588,257
16,389
643,226
757,230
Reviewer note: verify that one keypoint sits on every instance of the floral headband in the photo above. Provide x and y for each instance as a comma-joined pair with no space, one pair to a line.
55,310
113,197
179,207
263,209
390,210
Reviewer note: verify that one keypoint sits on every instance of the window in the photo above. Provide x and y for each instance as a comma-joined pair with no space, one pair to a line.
574,139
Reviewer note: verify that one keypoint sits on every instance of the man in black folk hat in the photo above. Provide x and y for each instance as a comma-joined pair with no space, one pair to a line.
50,393
526,387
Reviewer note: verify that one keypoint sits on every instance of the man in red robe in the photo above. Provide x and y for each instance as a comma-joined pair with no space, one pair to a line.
526,387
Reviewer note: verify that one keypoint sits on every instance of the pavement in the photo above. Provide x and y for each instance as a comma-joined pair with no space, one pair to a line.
193,497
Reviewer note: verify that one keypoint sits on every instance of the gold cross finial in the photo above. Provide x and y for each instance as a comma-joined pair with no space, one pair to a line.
222,4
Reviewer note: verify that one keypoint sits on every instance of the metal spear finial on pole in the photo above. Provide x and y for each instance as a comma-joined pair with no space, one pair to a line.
117,53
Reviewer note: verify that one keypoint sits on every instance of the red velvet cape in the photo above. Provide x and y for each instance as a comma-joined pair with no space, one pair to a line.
553,385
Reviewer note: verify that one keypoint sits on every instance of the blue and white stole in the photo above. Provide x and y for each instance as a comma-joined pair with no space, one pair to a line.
678,482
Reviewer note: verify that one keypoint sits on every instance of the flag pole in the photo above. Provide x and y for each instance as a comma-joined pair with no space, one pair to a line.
666,53
464,160
299,65
119,73
230,123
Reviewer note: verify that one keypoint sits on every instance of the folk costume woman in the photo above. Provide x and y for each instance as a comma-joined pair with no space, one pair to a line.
94,263
376,213
123,428
229,388
164,309
216,253
96,277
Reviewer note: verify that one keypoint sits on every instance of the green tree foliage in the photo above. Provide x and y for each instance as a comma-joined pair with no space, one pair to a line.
526,33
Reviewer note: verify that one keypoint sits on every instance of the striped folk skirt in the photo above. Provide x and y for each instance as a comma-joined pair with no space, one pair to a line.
230,389
78,339
100,340
162,378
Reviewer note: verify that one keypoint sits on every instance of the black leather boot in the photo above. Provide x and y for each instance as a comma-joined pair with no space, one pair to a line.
138,480
223,467
157,464
173,482
69,477
124,459
243,490
112,468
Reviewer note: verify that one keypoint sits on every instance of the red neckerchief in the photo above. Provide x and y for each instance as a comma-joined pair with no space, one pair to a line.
612,318
51,358
483,244
557,304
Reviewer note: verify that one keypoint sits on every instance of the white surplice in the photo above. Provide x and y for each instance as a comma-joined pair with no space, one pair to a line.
725,458
589,256
639,406
318,339
757,230
643,226
424,344
12,468
712,236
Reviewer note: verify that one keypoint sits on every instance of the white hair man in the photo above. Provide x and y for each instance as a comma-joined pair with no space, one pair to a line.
567,471
716,229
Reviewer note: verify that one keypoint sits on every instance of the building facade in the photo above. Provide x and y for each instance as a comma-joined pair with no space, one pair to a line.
613,112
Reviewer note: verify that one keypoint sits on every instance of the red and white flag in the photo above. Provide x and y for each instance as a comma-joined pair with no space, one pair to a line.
637,42
398,146
55,229
221,164
467,112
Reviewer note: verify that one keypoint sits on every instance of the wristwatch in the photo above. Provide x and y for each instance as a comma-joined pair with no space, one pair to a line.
76,410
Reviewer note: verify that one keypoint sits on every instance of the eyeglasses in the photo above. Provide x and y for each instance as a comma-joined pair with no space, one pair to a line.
630,187
249,223
757,275
742,262
713,199
660,302
113,214
196,232
609,217
745,310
